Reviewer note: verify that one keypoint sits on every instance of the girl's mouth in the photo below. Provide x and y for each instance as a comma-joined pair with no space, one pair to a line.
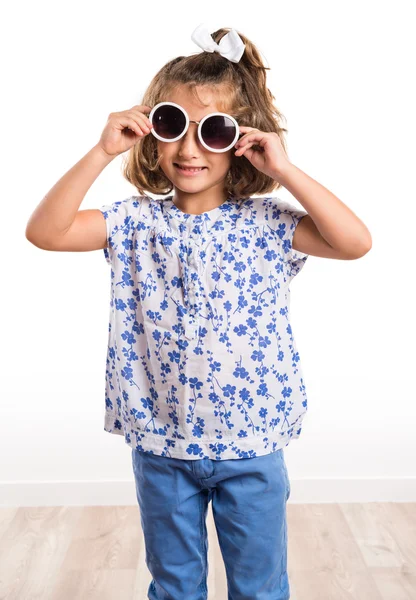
188,172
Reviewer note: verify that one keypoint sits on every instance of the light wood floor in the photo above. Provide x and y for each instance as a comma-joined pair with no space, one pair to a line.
335,552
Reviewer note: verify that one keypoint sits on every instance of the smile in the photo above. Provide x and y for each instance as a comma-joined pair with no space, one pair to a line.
189,171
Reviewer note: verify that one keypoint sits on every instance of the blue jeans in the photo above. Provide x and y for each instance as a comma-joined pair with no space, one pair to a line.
249,498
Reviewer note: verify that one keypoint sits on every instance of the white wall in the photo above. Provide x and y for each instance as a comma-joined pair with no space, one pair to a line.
343,75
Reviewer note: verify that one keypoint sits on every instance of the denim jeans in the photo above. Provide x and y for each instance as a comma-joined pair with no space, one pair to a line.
249,498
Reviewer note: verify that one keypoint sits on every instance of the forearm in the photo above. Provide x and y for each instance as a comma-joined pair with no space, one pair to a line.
56,212
336,223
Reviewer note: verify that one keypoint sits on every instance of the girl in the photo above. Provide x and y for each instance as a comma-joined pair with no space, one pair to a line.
203,377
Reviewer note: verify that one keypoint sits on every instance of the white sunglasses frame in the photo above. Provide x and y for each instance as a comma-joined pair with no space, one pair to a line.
200,123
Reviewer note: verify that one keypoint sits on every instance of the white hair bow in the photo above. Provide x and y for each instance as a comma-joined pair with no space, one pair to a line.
231,46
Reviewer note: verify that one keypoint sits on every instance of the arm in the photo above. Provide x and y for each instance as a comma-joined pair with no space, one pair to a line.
58,213
330,229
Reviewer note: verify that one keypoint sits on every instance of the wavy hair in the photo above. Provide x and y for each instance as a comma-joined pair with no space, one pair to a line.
241,90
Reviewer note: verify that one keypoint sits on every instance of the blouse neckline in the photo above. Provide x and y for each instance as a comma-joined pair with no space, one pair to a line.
208,215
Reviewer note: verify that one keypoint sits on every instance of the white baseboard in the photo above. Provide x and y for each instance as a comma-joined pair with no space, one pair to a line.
121,493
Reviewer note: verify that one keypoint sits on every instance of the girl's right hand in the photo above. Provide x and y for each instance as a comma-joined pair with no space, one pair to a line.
124,129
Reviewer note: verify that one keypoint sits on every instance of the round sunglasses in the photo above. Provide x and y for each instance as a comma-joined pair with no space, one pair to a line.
217,131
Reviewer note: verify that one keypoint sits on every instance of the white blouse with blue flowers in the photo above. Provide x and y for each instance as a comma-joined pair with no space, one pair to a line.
201,358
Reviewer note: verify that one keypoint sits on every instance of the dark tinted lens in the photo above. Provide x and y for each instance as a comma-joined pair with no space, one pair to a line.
168,121
218,132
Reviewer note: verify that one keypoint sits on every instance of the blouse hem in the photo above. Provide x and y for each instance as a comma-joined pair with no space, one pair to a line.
214,449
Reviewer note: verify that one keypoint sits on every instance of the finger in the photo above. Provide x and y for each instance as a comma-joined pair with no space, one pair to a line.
249,133
143,107
142,117
141,126
244,148
241,141
241,150
141,121
244,139
244,128
136,127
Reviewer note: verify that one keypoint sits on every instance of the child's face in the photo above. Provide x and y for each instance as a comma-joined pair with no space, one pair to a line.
189,150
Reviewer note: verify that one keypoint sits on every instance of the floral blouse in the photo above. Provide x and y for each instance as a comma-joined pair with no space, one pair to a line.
201,359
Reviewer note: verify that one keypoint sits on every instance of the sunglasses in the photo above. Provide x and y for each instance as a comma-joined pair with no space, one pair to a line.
217,131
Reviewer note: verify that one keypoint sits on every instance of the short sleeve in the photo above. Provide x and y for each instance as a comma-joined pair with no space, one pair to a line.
120,219
283,218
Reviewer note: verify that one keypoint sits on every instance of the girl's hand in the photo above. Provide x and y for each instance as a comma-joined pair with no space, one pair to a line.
271,159
124,129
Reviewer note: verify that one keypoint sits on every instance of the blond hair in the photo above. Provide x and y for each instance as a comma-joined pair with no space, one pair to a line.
242,92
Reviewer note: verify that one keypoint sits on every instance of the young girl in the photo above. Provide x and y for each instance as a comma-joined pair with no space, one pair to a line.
203,377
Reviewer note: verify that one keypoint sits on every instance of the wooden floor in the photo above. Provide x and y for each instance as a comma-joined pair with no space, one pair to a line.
335,552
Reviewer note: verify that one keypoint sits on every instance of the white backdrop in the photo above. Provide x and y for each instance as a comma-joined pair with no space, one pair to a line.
343,76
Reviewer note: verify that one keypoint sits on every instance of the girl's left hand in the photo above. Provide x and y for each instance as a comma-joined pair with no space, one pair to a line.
271,159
